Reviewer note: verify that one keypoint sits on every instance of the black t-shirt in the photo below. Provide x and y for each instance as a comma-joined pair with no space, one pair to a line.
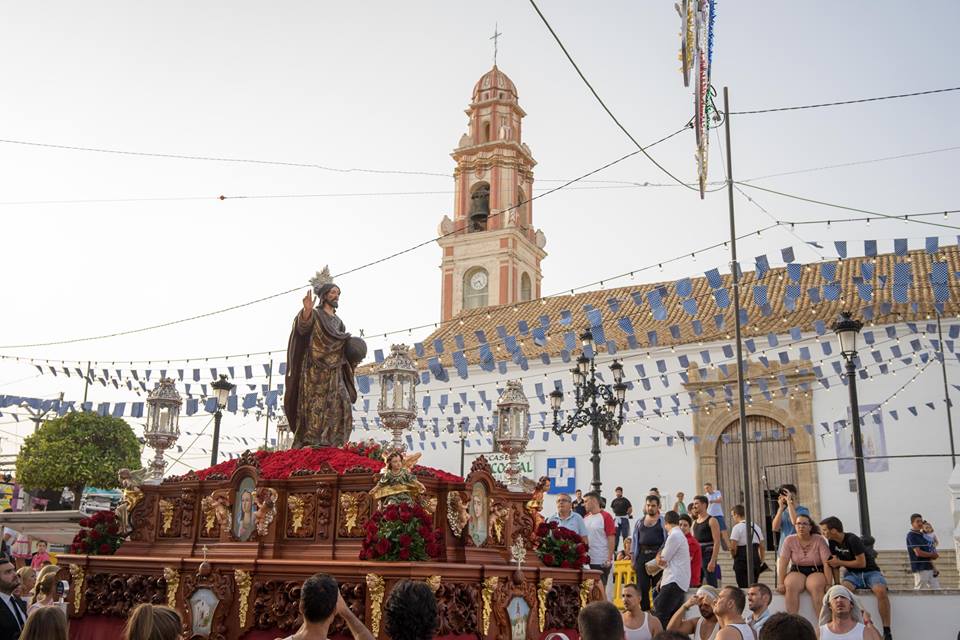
620,506
850,548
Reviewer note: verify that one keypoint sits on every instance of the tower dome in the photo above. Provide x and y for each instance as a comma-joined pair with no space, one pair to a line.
494,85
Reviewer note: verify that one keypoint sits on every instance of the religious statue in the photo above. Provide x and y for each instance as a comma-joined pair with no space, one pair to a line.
321,358
130,485
397,483
535,503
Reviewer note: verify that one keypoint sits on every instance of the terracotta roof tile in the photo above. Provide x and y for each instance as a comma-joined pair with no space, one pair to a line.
779,321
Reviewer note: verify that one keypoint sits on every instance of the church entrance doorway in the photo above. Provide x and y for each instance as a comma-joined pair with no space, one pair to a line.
769,443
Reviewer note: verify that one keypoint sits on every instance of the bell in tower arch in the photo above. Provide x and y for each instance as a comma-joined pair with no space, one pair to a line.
479,207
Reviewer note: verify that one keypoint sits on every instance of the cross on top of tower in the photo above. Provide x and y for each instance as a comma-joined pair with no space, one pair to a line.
495,37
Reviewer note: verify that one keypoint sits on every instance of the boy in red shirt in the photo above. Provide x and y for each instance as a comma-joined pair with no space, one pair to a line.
695,555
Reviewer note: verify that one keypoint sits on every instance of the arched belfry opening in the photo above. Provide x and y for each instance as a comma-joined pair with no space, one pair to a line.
479,207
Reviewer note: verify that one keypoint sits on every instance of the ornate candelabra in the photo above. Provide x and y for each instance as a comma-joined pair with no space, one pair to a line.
398,381
513,429
163,423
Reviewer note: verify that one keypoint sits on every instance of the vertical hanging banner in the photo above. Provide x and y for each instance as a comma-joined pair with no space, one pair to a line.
874,441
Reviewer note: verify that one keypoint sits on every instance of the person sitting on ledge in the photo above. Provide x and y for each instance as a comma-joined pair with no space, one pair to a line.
320,601
411,612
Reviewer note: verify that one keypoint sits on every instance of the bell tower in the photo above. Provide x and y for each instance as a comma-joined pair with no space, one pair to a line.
491,251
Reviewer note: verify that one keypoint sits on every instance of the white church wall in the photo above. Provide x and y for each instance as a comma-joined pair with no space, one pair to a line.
908,485
899,487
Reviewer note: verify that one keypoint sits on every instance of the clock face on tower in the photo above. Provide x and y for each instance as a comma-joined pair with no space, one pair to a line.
478,280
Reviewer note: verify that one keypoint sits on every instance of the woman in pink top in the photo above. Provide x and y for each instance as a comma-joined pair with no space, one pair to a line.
807,553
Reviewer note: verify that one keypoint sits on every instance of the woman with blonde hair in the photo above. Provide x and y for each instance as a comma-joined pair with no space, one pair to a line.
46,592
47,623
152,622
28,580
50,569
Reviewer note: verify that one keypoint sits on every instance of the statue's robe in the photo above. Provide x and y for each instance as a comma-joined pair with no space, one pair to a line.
319,387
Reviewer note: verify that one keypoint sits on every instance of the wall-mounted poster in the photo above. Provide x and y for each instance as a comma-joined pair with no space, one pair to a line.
563,475
244,510
874,441
203,603
479,514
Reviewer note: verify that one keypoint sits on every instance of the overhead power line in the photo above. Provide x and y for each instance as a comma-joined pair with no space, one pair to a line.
903,217
602,103
341,274
844,102
181,156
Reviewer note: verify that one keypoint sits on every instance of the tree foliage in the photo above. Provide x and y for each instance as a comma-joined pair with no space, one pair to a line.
76,451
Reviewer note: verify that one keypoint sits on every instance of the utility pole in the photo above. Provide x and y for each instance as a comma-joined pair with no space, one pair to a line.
735,269
946,393
86,383
266,427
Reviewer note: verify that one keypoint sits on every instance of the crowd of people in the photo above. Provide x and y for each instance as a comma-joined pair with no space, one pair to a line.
677,551
675,556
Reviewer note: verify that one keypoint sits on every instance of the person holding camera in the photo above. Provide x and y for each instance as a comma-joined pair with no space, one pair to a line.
787,512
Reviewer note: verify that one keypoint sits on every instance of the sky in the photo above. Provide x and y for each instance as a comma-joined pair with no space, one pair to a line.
99,243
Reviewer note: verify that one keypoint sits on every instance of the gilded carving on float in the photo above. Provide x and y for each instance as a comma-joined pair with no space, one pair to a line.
244,582
172,577
375,587
489,586
545,586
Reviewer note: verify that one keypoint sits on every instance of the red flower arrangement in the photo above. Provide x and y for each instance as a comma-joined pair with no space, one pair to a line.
560,547
100,535
370,449
401,532
278,465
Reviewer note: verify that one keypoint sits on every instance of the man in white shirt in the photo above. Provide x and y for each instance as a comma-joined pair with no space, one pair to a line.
739,548
715,509
12,615
600,533
675,560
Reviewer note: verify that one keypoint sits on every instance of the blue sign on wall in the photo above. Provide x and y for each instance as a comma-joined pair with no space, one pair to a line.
563,475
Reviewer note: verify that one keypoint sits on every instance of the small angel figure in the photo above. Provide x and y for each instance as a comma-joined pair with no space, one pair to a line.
397,483
130,484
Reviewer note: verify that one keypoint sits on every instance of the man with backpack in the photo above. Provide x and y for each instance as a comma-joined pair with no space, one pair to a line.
859,562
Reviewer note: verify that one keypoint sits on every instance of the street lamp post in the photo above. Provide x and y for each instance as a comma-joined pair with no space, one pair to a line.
588,395
398,383
222,389
163,423
513,429
847,329
463,452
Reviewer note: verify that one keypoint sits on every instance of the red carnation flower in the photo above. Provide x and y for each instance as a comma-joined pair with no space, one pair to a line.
548,559
543,529
85,522
581,549
433,549
582,560
565,564
424,532
553,524
405,540
404,554
104,548
383,546
406,516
